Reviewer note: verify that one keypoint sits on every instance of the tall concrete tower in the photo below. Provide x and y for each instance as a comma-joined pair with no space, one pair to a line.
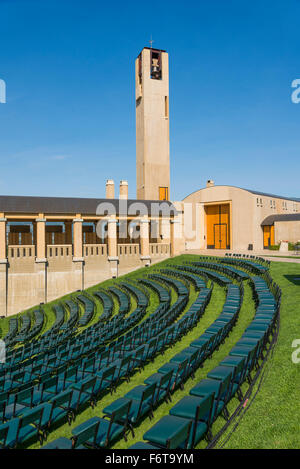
152,125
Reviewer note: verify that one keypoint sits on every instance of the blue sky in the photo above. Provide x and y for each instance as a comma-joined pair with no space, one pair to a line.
69,120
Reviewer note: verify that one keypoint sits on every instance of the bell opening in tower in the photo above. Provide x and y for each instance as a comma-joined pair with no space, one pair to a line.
155,65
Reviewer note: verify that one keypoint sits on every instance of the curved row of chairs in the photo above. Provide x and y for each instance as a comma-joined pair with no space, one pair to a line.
128,411
61,371
89,310
123,299
107,305
198,282
191,419
253,267
162,292
214,276
259,259
238,275
31,326
125,412
67,328
48,345
79,370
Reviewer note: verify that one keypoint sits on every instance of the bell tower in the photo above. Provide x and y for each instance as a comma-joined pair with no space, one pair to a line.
152,125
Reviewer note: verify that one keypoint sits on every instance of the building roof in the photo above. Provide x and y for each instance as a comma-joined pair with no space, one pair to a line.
262,194
265,194
66,205
285,217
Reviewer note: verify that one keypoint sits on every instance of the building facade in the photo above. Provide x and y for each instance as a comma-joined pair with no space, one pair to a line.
51,246
227,217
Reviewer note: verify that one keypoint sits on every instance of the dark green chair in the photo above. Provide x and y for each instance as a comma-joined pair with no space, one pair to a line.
25,428
104,380
102,432
169,432
179,372
139,407
238,369
199,411
22,401
83,393
221,391
56,411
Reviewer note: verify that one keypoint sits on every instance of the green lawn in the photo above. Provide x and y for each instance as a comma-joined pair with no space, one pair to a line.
272,420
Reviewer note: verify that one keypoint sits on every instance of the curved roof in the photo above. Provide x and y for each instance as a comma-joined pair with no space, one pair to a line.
265,194
285,217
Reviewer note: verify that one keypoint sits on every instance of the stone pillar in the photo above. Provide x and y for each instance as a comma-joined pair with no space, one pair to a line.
176,236
144,240
40,238
78,259
3,267
77,238
41,260
164,230
112,246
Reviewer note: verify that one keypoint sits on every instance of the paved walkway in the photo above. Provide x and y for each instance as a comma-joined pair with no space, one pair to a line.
274,257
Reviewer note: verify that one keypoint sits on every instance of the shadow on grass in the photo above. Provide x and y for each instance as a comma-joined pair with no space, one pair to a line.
295,279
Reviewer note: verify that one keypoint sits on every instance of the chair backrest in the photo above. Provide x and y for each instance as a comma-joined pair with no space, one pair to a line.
63,399
3,434
204,410
181,371
152,346
103,356
148,392
125,362
49,383
71,372
89,363
61,369
140,351
165,383
4,396
224,390
88,384
239,370
180,437
86,434
33,416
109,373
18,376
24,395
45,376
193,360
118,415
2,410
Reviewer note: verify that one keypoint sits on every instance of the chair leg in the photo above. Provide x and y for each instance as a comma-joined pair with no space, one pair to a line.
240,395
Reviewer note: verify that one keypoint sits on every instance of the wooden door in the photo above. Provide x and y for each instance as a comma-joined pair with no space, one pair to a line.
163,193
218,226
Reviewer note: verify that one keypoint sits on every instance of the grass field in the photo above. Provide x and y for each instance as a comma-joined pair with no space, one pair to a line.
272,420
